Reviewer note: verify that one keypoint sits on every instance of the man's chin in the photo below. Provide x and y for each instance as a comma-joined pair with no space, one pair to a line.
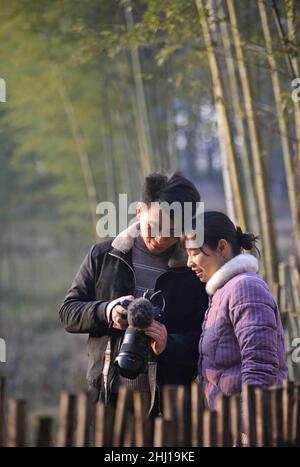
157,249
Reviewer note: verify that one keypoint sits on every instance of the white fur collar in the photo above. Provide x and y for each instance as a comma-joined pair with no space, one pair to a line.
237,265
125,240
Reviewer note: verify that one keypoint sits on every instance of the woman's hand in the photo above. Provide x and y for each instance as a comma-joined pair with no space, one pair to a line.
159,335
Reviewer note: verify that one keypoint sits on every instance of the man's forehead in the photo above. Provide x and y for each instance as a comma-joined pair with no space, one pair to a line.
156,216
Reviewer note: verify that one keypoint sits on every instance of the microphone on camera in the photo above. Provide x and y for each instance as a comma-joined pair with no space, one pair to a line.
140,313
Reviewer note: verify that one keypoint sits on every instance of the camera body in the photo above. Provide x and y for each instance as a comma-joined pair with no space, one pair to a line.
133,357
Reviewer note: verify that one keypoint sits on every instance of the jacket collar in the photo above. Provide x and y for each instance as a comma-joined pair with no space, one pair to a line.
237,265
125,240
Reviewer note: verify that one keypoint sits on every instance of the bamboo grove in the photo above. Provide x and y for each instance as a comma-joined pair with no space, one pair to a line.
144,56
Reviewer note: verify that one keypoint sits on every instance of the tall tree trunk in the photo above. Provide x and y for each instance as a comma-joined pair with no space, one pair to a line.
269,243
141,116
235,202
290,6
253,216
80,145
108,153
292,38
287,156
293,67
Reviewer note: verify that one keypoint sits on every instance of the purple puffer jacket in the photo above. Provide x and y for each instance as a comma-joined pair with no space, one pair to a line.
242,340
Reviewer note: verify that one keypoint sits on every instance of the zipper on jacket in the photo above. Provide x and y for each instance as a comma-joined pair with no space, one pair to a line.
127,264
201,337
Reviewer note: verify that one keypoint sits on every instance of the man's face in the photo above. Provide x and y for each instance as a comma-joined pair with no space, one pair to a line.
152,231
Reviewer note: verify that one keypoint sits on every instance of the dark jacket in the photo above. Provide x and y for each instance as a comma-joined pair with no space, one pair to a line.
107,273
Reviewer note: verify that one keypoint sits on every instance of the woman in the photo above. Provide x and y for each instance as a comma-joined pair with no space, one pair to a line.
242,341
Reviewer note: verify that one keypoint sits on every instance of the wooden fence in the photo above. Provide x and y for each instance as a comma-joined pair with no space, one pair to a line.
270,418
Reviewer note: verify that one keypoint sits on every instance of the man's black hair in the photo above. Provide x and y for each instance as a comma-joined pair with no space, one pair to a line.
162,188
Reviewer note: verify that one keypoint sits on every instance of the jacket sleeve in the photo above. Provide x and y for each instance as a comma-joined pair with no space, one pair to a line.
253,315
80,312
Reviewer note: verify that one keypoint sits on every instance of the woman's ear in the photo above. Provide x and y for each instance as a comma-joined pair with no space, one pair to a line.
222,246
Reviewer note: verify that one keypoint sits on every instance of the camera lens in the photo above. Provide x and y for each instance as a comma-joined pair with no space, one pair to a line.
132,359
129,366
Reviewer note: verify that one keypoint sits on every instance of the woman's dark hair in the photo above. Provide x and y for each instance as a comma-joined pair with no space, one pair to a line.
169,189
218,226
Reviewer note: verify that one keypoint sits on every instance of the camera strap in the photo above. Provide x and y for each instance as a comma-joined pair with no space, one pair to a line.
152,366
107,359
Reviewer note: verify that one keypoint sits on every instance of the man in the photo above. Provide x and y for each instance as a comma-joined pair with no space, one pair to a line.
134,262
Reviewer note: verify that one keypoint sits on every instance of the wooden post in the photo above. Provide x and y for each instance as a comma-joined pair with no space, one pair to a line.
43,427
235,420
124,407
197,407
2,396
248,410
104,425
16,436
183,409
84,421
66,427
129,435
169,398
262,418
223,417
295,416
287,410
276,416
209,428
143,425
163,433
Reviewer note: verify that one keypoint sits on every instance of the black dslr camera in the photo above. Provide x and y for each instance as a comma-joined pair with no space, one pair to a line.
135,349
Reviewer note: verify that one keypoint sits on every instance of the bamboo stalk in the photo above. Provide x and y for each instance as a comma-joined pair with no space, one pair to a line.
290,8
287,156
80,144
107,142
239,122
269,244
226,139
142,123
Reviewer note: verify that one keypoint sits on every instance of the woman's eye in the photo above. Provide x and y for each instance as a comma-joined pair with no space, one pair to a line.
193,254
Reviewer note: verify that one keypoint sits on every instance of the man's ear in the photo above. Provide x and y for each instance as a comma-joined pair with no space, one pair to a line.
138,211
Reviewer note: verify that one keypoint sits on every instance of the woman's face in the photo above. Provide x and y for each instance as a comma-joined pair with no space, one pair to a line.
205,261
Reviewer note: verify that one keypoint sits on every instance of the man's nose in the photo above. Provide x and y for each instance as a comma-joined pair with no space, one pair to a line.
189,262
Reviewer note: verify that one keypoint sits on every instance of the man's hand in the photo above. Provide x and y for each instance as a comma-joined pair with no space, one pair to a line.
158,334
118,313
